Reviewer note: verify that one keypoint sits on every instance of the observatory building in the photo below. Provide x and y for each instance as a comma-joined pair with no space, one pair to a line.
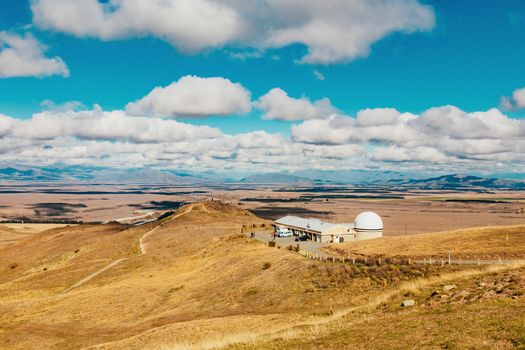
366,225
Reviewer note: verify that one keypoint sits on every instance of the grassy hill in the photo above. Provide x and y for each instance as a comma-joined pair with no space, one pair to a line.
484,243
13,233
200,284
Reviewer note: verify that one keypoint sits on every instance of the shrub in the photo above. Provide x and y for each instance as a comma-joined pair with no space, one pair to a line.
271,243
266,265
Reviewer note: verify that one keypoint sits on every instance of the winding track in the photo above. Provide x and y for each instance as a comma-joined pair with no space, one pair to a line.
142,245
93,275
142,242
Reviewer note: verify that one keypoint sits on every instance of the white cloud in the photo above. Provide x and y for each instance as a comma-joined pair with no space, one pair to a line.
437,135
276,104
516,101
442,138
50,105
318,75
333,31
100,125
193,96
23,56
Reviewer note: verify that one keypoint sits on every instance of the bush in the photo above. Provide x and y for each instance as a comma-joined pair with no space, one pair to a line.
271,243
266,265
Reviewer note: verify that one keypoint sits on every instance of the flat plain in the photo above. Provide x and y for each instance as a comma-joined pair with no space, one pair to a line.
404,212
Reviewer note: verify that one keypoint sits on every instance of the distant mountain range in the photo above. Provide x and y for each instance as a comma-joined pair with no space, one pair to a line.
83,174
97,175
458,182
277,178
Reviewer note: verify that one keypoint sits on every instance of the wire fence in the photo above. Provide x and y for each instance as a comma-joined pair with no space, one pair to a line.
375,261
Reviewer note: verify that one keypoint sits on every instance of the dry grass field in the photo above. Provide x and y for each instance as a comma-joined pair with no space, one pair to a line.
506,242
202,284
481,310
12,233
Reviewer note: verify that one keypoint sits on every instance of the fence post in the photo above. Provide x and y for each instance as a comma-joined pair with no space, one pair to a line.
460,261
500,262
442,262
408,261
379,261
333,259
424,261
353,260
430,261
366,261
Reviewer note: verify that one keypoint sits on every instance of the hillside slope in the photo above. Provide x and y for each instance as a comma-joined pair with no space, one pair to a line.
506,242
200,280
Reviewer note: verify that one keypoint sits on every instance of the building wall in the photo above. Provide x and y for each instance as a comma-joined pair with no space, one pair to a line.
369,234
335,233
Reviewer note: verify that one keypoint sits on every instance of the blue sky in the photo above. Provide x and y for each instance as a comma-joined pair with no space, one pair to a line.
470,58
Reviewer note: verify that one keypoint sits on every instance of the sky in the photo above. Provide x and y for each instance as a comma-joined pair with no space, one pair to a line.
264,85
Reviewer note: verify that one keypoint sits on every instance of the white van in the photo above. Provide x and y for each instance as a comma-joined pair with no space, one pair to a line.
283,232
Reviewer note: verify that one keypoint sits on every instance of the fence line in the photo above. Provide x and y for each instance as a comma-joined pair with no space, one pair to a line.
403,261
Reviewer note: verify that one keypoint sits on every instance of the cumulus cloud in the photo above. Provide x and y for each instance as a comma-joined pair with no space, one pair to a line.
516,101
23,56
442,138
276,104
100,125
193,96
440,134
333,31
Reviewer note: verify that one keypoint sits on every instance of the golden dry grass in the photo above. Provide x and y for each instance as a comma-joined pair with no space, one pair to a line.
484,242
201,284
13,233
320,330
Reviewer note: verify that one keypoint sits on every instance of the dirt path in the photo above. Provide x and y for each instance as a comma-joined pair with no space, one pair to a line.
313,248
93,275
116,262
142,239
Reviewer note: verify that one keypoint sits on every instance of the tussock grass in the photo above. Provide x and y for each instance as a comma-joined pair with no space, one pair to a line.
316,326
482,242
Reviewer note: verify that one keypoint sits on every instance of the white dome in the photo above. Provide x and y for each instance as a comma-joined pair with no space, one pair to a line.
368,221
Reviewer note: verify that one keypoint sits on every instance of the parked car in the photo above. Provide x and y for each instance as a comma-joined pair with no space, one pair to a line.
301,238
284,234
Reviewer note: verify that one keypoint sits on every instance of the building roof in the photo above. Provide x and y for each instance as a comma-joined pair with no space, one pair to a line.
368,220
308,223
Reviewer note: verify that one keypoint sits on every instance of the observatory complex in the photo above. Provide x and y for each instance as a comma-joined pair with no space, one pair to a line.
366,225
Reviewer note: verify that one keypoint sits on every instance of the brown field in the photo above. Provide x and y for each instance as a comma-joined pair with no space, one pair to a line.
12,233
202,284
413,212
506,242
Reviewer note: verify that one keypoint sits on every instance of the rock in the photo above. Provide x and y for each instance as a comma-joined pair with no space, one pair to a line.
434,293
448,287
489,294
408,302
464,293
